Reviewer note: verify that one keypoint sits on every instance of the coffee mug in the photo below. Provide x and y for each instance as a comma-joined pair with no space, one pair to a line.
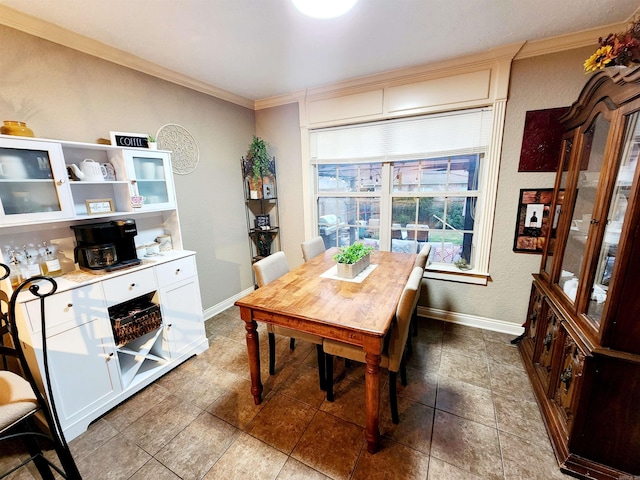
153,249
137,201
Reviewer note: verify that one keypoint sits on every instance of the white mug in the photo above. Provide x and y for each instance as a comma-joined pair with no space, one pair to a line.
12,167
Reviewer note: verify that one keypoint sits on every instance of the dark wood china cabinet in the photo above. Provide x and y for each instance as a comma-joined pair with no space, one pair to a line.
581,345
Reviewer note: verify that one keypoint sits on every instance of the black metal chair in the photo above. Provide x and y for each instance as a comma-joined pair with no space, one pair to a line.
20,397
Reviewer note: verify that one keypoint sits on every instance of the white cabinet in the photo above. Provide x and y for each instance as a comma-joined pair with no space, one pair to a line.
149,173
82,364
180,304
33,182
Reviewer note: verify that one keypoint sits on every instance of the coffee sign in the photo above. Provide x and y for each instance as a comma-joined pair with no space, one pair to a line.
129,140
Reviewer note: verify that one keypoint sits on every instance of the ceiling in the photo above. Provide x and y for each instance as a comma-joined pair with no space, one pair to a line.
259,49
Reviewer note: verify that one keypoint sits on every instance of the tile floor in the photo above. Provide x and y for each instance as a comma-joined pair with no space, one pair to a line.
468,412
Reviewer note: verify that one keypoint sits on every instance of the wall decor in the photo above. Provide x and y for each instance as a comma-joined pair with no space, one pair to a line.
541,140
185,154
122,139
100,205
532,221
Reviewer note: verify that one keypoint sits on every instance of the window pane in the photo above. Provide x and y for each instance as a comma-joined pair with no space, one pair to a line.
365,177
345,220
458,173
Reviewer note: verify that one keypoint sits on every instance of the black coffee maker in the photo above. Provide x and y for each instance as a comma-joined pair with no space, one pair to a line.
106,246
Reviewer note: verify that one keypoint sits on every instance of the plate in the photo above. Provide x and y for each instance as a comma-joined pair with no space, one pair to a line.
185,154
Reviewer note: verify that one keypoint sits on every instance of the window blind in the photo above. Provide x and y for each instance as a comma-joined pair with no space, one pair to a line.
430,136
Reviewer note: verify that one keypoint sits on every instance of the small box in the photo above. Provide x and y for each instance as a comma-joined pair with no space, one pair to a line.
263,222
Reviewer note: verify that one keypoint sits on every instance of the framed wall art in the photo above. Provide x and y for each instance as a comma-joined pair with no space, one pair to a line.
532,222
541,140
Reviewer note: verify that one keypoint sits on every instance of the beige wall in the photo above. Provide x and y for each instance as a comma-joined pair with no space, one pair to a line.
63,94
536,83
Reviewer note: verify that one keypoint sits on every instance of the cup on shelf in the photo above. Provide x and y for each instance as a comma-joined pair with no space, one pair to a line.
137,201
153,249
165,242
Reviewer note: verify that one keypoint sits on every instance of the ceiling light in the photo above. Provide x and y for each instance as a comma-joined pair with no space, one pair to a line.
324,8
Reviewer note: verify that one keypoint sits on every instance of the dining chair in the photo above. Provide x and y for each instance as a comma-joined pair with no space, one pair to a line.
312,248
421,261
25,415
392,357
267,270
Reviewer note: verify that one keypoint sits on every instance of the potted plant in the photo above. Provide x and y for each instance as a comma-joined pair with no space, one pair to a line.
353,259
151,141
259,167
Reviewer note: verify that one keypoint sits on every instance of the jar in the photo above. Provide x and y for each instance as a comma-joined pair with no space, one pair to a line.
12,127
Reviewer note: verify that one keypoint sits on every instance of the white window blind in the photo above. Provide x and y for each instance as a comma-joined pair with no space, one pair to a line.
452,133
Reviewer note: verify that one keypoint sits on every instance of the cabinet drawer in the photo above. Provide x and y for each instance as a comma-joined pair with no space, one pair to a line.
175,271
68,309
131,285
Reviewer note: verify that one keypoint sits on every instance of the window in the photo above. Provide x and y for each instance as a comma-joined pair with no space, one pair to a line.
399,184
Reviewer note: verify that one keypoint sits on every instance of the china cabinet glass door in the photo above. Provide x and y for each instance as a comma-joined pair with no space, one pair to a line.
32,183
594,141
153,178
615,218
557,210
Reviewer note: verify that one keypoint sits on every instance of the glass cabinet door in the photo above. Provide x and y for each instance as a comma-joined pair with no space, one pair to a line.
615,218
33,184
153,178
591,161
557,209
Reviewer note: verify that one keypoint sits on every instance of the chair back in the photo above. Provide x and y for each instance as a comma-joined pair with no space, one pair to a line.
400,330
423,256
312,248
270,268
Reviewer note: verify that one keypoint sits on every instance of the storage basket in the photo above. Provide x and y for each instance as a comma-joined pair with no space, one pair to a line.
131,321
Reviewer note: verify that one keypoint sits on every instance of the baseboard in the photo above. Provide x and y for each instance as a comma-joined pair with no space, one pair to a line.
222,306
472,321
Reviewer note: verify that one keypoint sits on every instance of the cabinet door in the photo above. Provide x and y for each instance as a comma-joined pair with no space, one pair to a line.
594,141
152,178
83,369
182,316
533,321
544,355
33,182
568,383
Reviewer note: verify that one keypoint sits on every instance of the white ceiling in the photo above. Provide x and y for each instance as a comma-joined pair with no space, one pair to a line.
264,48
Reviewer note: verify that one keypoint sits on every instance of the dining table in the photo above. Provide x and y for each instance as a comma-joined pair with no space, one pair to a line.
312,299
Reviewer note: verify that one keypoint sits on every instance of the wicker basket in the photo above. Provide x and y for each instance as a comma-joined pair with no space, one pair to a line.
133,321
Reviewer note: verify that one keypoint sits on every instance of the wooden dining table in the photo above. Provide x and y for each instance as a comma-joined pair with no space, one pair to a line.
310,299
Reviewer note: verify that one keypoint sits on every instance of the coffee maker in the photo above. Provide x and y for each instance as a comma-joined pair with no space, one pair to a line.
106,246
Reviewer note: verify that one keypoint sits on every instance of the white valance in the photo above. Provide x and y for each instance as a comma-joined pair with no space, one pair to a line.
431,136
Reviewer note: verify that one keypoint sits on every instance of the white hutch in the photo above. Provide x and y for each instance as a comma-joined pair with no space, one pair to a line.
39,202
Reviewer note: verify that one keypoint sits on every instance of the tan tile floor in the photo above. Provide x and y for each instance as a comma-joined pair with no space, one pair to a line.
468,412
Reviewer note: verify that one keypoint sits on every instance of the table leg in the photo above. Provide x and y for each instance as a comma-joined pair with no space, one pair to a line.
372,401
253,349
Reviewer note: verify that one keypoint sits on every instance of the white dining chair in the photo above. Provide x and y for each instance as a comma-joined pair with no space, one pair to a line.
267,270
393,354
312,248
421,261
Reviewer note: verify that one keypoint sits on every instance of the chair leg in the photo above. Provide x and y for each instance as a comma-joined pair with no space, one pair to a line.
403,373
292,343
393,398
272,353
409,346
322,367
329,376
35,452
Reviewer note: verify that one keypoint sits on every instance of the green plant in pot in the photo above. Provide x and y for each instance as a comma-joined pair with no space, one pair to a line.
352,259
259,164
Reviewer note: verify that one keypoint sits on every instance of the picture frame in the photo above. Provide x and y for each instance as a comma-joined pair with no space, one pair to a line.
532,221
98,206
129,140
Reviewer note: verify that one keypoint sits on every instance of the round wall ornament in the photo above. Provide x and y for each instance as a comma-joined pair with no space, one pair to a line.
185,154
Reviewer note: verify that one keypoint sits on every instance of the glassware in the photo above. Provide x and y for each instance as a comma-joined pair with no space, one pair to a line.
50,264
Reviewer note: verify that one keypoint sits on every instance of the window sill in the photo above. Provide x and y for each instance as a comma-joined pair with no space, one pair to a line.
454,274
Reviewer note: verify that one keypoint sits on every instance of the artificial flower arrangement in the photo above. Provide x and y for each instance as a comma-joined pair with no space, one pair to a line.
616,49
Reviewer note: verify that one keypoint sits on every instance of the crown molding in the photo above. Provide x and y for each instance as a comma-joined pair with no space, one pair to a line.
56,34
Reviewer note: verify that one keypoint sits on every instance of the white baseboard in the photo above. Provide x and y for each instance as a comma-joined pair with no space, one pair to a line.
222,306
471,321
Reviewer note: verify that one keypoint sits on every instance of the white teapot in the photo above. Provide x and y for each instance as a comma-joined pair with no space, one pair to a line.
89,171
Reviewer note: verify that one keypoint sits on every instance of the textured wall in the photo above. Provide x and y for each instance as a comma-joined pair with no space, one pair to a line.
63,94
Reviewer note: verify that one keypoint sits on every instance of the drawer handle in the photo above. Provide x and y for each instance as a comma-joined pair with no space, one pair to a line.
132,285
177,271
69,305
566,376
109,357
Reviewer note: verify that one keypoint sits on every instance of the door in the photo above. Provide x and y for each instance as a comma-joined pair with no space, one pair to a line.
33,182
